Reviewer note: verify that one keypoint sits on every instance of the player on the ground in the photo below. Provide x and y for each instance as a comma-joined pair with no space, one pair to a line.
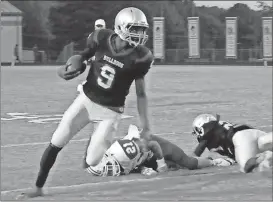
121,58
126,153
250,147
134,154
176,158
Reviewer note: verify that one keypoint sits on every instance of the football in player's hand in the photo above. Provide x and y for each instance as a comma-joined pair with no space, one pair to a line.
74,64
73,68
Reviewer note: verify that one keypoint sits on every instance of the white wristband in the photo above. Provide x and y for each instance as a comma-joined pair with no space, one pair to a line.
160,162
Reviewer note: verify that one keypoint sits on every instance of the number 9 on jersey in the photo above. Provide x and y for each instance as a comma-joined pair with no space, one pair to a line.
106,78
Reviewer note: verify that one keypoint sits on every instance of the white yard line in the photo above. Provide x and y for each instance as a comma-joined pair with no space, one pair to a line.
87,185
44,143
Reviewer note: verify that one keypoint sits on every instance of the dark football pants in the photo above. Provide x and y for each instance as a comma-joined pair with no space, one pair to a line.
175,154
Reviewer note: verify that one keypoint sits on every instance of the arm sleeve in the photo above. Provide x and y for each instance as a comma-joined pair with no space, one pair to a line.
91,45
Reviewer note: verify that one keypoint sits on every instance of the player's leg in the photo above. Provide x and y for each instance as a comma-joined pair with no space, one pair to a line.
265,142
74,119
103,135
85,165
263,159
101,140
175,154
246,146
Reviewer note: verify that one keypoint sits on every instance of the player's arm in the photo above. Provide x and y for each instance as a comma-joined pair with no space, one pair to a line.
91,46
200,148
158,153
142,106
76,64
72,69
142,101
156,149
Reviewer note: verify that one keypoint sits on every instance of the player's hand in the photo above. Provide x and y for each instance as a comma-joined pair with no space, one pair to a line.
71,75
73,68
232,162
161,166
162,169
145,133
223,162
66,73
148,171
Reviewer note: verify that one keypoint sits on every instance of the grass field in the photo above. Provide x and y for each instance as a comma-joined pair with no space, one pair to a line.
34,98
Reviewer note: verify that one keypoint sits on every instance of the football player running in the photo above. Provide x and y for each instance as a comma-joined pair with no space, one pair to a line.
99,24
127,153
121,58
250,147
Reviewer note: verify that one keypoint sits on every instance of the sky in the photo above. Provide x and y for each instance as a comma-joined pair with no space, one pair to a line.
228,4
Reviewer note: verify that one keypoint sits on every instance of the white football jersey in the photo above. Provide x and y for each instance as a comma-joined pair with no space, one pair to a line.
127,153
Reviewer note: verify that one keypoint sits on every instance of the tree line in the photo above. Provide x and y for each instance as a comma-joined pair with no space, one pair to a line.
53,24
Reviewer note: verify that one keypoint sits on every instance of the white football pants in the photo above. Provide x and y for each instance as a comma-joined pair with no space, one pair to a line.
249,143
81,112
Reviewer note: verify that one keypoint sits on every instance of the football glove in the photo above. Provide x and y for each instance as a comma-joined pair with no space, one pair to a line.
223,162
148,171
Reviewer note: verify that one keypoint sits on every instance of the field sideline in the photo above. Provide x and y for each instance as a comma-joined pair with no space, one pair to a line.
33,100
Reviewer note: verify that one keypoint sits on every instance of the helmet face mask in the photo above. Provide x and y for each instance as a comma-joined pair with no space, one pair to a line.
200,123
131,26
99,27
110,166
198,131
107,167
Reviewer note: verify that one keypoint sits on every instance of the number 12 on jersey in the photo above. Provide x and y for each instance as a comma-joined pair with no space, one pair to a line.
129,148
106,78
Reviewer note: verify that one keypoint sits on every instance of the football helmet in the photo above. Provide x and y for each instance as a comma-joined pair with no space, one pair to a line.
108,166
131,25
100,24
199,122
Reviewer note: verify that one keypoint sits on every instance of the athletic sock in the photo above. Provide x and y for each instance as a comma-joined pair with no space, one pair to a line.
47,161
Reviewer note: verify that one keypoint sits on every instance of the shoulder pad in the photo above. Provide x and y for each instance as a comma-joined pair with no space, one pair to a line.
99,35
144,55
104,33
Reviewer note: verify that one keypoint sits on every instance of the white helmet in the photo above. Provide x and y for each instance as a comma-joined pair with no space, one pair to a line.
100,24
108,166
198,123
131,25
